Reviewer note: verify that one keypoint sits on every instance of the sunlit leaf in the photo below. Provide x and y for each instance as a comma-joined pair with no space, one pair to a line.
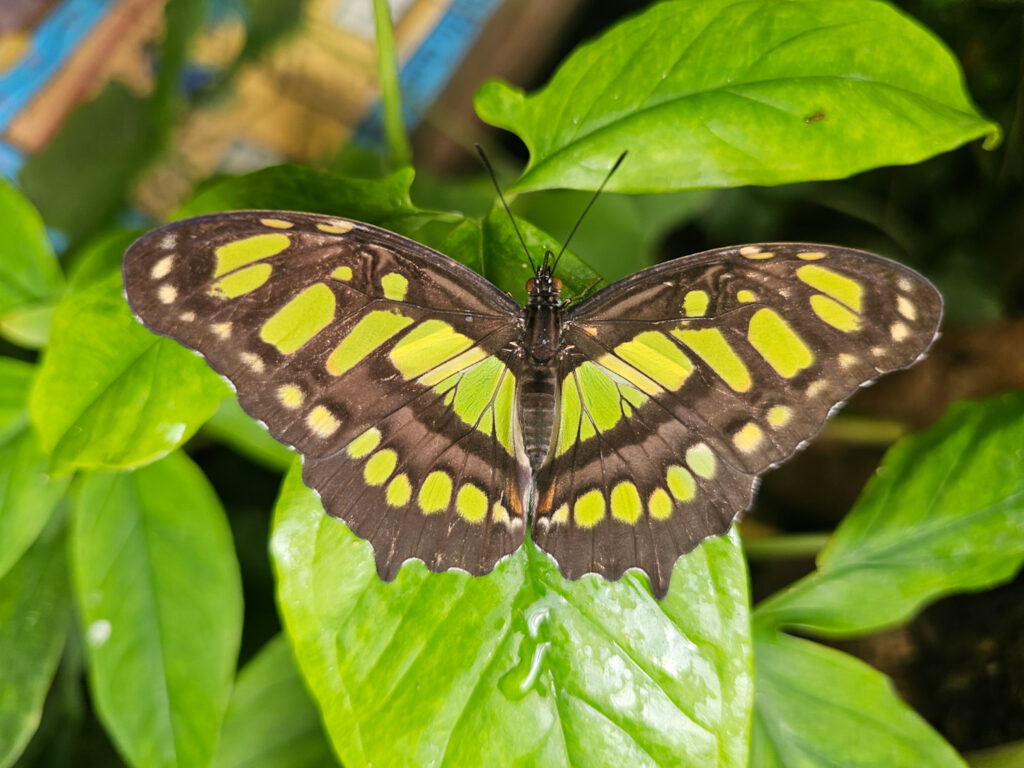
159,598
716,93
110,393
520,667
28,495
945,513
30,277
819,707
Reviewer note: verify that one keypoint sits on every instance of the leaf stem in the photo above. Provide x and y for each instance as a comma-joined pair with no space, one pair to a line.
785,547
390,90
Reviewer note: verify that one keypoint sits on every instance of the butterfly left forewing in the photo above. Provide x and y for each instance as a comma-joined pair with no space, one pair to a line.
680,384
389,367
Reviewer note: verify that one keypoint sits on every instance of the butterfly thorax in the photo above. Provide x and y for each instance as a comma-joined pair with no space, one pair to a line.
543,315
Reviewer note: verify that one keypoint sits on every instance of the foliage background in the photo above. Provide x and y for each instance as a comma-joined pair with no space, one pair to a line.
129,598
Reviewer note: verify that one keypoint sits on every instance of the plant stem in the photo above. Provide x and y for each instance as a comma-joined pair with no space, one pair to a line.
785,547
390,91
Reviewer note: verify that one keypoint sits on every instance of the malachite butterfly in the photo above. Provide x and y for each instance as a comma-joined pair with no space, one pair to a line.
443,421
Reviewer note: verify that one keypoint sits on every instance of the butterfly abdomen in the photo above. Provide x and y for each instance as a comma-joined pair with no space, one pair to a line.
537,412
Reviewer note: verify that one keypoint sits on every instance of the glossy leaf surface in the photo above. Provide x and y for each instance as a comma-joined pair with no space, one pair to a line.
28,495
819,707
29,274
733,92
159,598
518,667
110,393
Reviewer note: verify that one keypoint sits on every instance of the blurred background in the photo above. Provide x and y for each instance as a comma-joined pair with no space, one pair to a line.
113,112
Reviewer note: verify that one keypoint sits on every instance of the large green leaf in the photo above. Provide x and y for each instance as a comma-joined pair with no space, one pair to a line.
818,707
34,617
159,597
715,93
944,513
28,495
272,722
29,273
110,393
384,202
520,667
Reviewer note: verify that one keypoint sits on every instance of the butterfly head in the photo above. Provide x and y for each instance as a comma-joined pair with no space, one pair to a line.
544,288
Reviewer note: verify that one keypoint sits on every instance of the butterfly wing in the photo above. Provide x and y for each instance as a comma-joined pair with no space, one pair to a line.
681,384
390,367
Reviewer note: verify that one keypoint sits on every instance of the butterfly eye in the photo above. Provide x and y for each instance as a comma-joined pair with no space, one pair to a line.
529,285
557,282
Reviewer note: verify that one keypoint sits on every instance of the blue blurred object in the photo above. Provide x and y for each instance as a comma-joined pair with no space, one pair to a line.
430,68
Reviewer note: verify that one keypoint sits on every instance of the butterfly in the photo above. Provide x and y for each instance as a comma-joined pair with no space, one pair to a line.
442,420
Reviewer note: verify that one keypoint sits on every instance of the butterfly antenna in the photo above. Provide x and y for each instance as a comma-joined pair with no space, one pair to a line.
579,221
494,180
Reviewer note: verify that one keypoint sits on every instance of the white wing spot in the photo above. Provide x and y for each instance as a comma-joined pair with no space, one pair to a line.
252,361
167,293
906,308
815,388
162,268
899,331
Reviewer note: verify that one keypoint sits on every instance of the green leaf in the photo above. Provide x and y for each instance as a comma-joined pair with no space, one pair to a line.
34,617
110,393
233,426
818,707
718,93
28,327
15,382
384,202
100,257
945,513
29,273
159,597
27,495
520,667
506,265
272,722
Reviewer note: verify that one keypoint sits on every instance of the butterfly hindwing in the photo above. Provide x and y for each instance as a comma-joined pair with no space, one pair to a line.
682,383
389,367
